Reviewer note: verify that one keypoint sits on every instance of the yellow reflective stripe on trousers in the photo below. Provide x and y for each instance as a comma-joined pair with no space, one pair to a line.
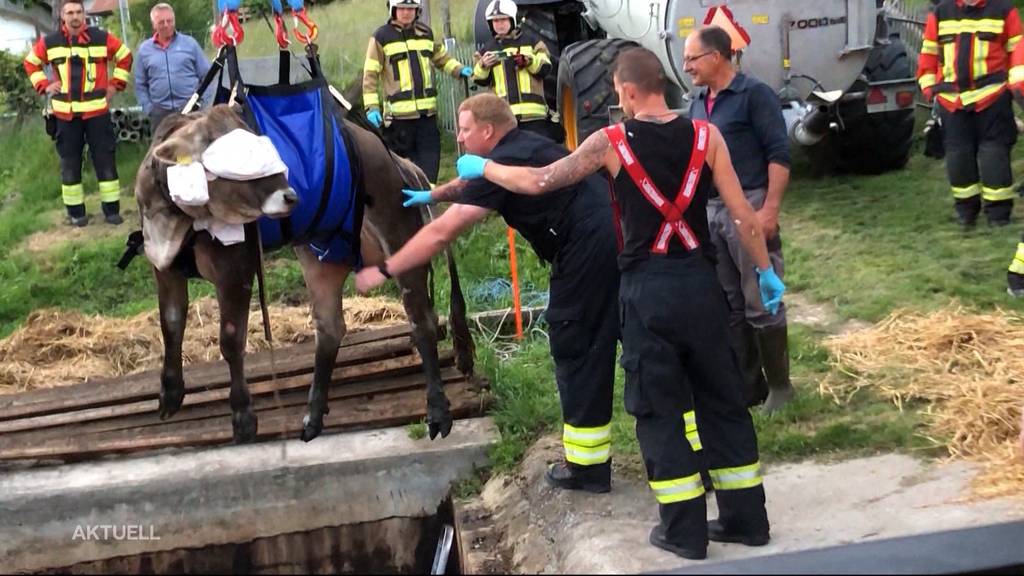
690,427
587,436
966,191
997,194
73,194
110,190
736,478
968,26
678,490
585,456
1017,266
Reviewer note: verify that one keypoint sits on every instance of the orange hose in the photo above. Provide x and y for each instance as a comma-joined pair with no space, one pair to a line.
515,282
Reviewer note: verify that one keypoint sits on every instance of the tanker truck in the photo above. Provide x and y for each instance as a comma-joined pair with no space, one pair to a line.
846,84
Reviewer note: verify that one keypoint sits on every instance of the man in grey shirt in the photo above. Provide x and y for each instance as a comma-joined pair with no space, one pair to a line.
169,67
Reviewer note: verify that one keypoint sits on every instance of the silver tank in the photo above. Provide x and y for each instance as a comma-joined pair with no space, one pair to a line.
827,41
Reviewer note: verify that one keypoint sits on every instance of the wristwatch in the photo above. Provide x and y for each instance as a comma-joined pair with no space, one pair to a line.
383,267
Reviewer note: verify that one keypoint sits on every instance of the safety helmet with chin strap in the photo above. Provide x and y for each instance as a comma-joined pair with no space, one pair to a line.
393,4
501,9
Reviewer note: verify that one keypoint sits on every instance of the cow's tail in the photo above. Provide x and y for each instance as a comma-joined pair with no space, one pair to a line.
462,340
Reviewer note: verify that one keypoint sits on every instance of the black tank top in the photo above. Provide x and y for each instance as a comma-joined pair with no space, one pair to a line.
664,152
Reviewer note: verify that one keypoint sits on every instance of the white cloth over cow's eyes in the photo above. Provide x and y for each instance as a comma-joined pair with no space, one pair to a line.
242,155
187,184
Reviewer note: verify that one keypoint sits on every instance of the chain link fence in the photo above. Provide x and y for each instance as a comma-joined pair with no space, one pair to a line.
450,91
907,18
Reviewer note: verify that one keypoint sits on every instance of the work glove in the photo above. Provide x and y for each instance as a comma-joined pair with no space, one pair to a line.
374,117
466,72
416,198
471,166
521,60
772,289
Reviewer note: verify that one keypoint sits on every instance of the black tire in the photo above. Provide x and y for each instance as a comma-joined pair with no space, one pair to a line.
585,89
876,143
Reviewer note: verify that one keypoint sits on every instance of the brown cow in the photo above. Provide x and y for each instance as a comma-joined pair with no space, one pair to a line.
167,229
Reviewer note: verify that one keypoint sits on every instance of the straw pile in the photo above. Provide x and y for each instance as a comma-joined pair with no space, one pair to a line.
55,347
967,368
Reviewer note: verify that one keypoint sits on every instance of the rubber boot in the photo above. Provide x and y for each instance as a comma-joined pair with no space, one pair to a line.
719,533
742,517
568,476
682,530
112,212
77,216
998,212
774,346
744,344
967,210
1015,284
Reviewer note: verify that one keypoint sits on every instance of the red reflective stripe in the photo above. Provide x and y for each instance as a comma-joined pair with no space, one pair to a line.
672,211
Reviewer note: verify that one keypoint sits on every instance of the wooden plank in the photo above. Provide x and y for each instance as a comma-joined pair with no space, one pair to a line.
351,373
257,366
400,408
143,389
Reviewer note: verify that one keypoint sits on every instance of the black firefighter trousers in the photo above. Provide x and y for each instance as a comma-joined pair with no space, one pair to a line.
684,387
419,140
978,146
72,136
584,332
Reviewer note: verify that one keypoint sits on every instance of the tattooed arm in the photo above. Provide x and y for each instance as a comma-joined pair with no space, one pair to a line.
449,192
595,153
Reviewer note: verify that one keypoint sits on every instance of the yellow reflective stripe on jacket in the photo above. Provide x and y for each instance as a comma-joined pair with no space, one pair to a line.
529,109
927,81
500,86
690,428
72,194
587,456
1011,43
122,74
930,47
678,490
451,66
31,58
371,65
966,191
121,53
37,77
89,77
1017,266
949,62
409,107
1016,75
997,194
79,107
972,96
110,190
990,25
539,60
980,54
371,101
736,478
405,76
100,52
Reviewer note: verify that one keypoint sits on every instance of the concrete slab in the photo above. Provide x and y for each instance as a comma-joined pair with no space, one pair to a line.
810,505
77,513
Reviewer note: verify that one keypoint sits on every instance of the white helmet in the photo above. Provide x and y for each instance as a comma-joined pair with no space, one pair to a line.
501,9
392,4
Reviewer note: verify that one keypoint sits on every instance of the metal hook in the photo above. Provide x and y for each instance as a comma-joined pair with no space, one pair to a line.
312,30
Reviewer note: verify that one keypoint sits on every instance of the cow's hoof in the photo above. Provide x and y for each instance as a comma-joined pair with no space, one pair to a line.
311,428
244,427
170,401
464,362
439,423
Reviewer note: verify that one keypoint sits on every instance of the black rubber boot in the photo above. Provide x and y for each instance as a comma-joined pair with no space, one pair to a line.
1015,284
658,539
112,212
77,216
717,532
998,213
569,476
744,344
774,346
967,210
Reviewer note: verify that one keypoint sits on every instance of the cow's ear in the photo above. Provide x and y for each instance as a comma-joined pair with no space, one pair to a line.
164,226
176,150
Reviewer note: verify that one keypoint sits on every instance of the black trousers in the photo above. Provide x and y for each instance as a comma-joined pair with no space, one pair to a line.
584,332
418,140
545,128
677,359
978,146
72,136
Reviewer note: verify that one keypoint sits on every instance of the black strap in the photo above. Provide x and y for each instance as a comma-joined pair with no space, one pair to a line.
132,249
284,62
216,67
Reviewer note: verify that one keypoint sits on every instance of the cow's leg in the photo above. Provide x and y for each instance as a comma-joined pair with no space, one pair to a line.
324,283
172,294
232,269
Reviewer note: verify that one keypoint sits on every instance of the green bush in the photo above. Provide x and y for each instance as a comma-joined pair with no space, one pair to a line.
16,93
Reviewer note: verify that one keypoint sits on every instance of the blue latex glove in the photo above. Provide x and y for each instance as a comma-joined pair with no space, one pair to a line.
466,72
374,117
471,166
772,289
417,198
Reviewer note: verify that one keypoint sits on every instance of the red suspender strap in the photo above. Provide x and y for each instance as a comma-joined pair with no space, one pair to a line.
671,211
616,213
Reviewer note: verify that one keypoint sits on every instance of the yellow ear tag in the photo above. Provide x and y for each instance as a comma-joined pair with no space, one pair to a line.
184,159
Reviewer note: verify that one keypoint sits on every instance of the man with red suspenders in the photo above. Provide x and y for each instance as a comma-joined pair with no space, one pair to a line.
683,384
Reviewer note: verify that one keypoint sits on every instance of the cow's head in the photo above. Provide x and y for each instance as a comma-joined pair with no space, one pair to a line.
165,225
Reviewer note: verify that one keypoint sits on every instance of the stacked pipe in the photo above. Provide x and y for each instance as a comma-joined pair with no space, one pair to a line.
130,124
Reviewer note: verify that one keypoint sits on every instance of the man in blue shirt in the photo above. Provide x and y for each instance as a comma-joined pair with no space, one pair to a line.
170,66
749,115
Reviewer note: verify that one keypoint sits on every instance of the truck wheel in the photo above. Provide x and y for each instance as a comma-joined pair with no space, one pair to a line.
876,143
585,89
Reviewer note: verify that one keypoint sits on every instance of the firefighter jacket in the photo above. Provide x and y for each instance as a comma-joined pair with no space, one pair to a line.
971,54
402,57
518,80
80,64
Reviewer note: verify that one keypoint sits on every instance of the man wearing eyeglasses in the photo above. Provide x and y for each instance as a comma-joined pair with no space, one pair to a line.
749,115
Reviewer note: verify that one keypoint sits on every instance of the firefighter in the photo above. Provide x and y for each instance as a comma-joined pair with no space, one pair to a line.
683,384
568,229
971,57
399,51
80,93
514,63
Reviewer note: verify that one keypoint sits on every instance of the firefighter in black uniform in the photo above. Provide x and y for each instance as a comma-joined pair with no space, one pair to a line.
514,63
683,383
568,229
